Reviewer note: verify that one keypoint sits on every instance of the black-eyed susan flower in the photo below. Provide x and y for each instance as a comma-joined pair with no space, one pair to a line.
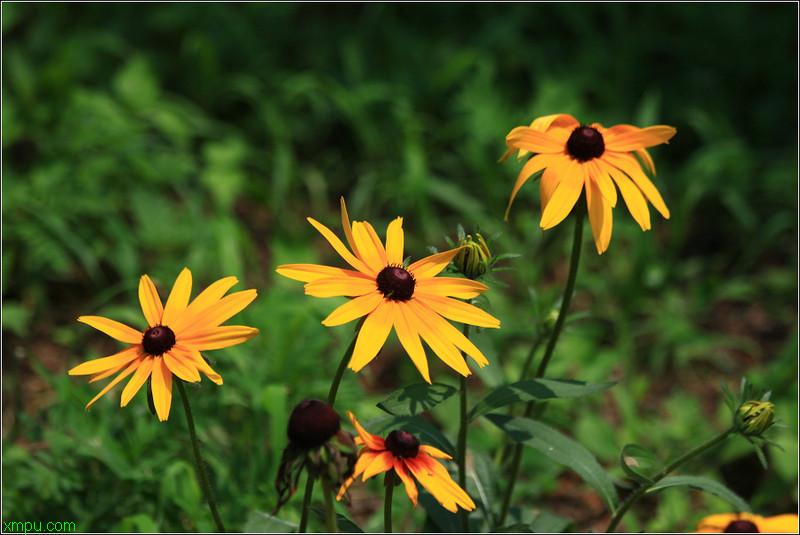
171,344
412,300
747,523
591,159
403,453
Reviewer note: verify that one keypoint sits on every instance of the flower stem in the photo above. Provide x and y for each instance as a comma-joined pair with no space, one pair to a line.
201,470
462,440
643,487
330,511
387,501
575,257
337,378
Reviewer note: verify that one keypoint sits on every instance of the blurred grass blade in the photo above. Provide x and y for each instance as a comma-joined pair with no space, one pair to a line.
535,389
701,483
260,522
416,398
560,449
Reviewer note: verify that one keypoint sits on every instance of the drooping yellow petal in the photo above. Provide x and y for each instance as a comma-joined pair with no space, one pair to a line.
108,363
312,272
208,297
450,286
447,332
549,182
434,452
435,478
432,265
150,301
628,164
114,329
627,138
565,196
409,338
348,286
108,373
395,241
369,245
222,311
348,229
183,368
460,311
532,166
382,462
411,487
524,137
600,178
372,336
440,344
340,247
371,441
138,379
161,385
178,297
353,309
129,370
219,337
192,356
633,197
599,216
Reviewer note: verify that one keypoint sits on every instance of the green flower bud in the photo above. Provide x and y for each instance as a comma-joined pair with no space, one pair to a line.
474,259
755,417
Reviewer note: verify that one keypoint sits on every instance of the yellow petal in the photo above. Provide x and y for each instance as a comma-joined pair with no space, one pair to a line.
372,336
312,272
208,297
161,384
214,315
434,452
382,462
549,182
447,332
435,478
353,309
136,382
532,166
348,286
631,167
371,441
460,311
219,337
633,197
558,120
150,301
439,343
395,241
787,523
409,338
524,137
108,363
599,217
340,248
432,265
565,196
192,356
348,229
411,488
129,370
183,368
626,138
108,373
114,329
178,298
600,178
369,246
450,286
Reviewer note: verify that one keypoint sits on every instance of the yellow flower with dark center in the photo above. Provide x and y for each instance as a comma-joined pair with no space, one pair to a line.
747,523
403,453
172,342
412,300
577,158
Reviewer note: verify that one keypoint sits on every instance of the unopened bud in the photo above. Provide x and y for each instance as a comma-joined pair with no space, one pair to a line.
756,417
474,259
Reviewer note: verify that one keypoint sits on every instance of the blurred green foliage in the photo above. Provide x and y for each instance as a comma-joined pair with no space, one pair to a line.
145,138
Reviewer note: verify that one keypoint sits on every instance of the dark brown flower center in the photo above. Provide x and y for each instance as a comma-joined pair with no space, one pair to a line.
402,444
158,340
312,423
741,526
585,143
396,283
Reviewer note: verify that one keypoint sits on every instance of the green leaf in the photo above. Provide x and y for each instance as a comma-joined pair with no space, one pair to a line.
561,449
704,484
639,462
535,389
416,398
344,524
259,522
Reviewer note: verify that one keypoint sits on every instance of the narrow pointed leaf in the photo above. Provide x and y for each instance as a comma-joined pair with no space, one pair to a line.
416,398
535,389
560,449
707,485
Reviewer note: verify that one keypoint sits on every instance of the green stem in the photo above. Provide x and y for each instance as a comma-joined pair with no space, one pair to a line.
387,501
306,503
643,487
461,450
330,511
575,257
201,470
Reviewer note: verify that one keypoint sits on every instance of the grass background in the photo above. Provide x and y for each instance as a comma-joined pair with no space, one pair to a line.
142,138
